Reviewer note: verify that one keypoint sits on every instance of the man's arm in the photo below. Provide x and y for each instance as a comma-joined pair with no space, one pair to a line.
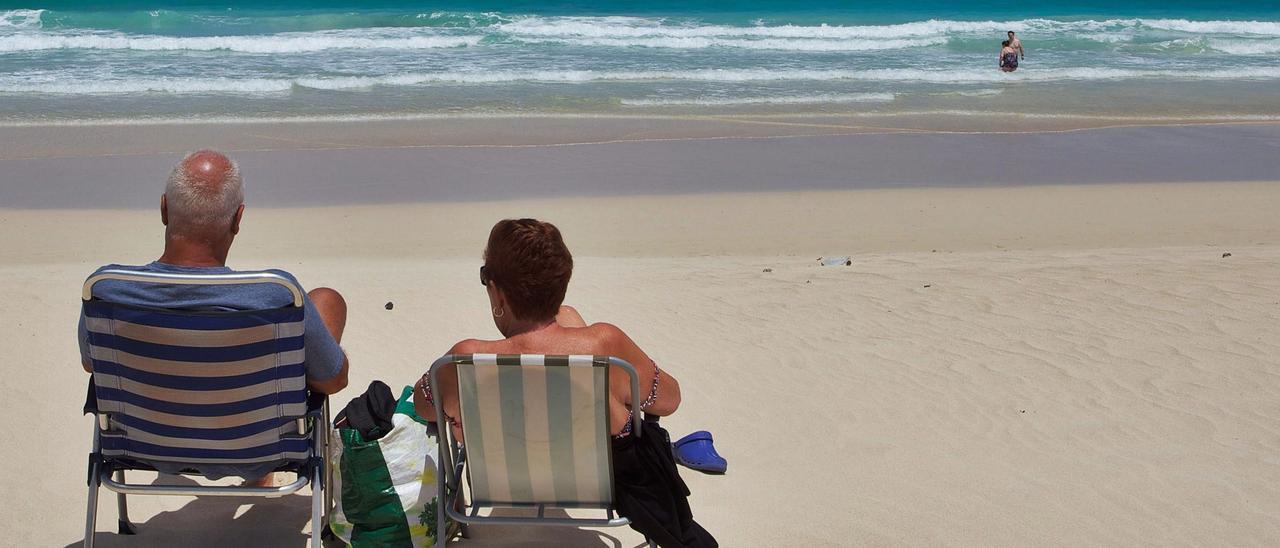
332,385
326,319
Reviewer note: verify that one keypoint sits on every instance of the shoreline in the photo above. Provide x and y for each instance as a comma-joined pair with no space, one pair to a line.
942,121
457,161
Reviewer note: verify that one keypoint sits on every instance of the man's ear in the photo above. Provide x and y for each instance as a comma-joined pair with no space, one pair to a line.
235,221
164,210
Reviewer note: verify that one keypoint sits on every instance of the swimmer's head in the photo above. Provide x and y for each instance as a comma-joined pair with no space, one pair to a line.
1010,34
1005,43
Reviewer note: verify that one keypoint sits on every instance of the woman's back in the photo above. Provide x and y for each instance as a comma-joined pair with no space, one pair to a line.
570,335
1008,59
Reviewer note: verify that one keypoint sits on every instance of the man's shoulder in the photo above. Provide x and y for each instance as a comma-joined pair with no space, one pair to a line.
115,266
282,273
276,271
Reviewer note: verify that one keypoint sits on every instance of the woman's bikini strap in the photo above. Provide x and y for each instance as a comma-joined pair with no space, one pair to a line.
648,402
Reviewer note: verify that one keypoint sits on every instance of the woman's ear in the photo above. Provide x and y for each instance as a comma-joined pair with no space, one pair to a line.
497,298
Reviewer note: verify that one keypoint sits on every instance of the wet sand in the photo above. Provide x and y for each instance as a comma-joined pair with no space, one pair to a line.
316,167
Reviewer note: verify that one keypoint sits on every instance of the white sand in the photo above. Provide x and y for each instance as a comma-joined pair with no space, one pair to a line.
1083,367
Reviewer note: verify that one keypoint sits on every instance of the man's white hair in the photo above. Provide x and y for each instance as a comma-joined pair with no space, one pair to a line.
196,206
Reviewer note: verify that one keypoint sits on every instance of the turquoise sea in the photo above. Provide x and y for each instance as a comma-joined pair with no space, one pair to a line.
69,61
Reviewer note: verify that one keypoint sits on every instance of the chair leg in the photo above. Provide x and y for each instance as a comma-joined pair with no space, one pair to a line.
326,438
124,527
321,495
460,504
317,505
442,528
91,514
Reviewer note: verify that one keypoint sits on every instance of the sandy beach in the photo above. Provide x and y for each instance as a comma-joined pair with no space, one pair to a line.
1013,358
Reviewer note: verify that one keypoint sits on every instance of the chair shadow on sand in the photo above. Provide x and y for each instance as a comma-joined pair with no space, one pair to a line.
487,535
219,521
207,521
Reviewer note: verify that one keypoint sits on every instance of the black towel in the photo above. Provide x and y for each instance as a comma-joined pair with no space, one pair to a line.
649,492
370,413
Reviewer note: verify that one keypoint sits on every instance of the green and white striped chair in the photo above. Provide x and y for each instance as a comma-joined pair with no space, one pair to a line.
537,436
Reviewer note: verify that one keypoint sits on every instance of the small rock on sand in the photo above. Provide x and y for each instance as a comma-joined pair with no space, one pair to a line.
1225,255
767,270
390,305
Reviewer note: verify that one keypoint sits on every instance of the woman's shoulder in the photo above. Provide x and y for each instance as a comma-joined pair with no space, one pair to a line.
474,346
597,338
605,333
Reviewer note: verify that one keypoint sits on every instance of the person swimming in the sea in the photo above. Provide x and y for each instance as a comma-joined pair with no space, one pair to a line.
1008,57
1016,44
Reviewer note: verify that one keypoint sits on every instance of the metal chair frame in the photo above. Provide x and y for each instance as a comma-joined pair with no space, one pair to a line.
452,464
106,472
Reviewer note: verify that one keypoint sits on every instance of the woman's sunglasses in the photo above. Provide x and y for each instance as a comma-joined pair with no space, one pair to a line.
484,276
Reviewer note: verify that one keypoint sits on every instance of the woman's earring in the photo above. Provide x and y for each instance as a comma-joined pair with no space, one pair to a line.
498,312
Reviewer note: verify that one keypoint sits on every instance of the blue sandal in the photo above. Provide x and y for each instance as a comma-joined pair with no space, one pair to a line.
697,452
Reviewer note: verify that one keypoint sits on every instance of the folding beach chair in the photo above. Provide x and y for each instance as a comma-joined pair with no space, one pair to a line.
201,393
537,436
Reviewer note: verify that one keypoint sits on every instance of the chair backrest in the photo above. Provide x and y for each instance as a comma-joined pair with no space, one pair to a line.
196,390
537,428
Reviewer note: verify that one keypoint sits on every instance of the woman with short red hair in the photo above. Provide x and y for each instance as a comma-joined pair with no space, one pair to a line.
526,273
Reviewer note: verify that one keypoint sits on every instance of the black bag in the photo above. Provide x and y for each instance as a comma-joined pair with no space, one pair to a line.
649,492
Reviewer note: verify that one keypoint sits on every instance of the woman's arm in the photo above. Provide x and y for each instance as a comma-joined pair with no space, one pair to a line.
448,395
668,394
424,408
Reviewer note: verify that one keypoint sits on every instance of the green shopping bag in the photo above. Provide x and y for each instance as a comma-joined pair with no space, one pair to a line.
385,490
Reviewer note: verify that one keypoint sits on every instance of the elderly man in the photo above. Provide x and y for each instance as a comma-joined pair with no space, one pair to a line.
201,209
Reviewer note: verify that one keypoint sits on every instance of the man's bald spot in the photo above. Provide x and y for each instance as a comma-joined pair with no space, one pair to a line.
203,194
207,167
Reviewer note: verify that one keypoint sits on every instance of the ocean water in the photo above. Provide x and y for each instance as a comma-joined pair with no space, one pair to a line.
66,61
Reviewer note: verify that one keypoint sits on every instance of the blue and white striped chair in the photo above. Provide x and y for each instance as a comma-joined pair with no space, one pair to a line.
537,436
202,393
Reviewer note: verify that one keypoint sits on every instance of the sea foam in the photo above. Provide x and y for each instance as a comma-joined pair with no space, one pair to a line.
20,19
777,100
1246,47
271,85
781,44
281,43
